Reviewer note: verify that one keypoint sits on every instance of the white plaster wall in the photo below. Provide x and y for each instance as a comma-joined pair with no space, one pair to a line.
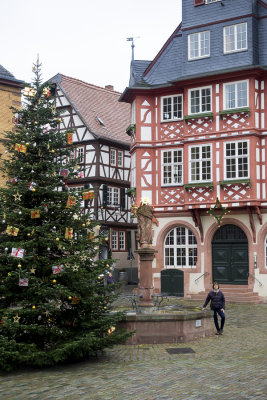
262,290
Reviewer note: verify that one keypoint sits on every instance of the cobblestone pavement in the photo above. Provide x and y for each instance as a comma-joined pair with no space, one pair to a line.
228,367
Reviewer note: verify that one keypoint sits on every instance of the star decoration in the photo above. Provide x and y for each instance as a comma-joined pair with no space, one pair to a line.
218,206
16,318
17,196
47,313
83,258
75,268
67,265
75,216
88,222
59,246
32,270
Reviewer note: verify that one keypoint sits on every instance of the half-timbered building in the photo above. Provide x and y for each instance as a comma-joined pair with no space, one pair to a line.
98,121
199,149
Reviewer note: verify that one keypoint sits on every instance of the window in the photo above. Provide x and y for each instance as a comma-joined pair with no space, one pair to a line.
172,167
172,108
211,1
112,157
200,100
236,160
80,154
200,163
133,170
112,196
116,158
236,95
180,248
235,38
118,240
120,158
199,45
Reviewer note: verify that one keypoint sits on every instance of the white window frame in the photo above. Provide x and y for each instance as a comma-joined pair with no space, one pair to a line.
122,241
198,36
211,1
112,194
201,161
236,50
236,157
114,240
113,157
120,157
172,165
163,114
190,250
236,94
200,104
79,156
133,170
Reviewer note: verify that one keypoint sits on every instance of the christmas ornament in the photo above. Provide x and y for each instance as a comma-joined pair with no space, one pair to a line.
46,91
84,258
71,201
90,235
75,268
47,313
222,211
16,318
75,300
20,148
64,172
14,180
12,231
17,196
89,195
32,270
54,281
75,216
69,297
57,239
67,265
23,282
52,151
28,91
46,128
19,265
33,307
111,330
57,269
68,233
80,175
17,252
17,118
31,186
69,137
35,214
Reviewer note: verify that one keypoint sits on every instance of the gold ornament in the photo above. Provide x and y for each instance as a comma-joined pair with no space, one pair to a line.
83,225
52,151
57,239
54,281
19,265
9,274
33,307
69,297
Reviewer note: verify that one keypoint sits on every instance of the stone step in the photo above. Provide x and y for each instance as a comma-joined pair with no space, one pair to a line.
233,297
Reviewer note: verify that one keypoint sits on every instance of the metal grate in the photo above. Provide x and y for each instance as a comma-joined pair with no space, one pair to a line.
183,350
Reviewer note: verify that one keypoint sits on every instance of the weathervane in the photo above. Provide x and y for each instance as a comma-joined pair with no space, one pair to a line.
132,39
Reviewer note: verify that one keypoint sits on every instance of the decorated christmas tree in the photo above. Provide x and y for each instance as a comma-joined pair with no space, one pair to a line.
53,301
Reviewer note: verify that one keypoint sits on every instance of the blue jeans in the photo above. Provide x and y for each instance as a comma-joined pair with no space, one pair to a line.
222,315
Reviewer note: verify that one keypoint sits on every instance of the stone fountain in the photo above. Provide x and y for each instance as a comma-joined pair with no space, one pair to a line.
166,325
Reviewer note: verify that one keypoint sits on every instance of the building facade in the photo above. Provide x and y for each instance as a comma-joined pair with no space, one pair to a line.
98,121
10,96
199,149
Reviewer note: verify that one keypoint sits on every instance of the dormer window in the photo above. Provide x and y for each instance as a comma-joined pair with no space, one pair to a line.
211,1
199,45
235,38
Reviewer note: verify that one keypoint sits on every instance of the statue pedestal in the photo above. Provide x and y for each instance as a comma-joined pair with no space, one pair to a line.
145,287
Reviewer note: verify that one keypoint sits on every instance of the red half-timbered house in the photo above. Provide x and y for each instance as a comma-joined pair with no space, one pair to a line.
98,121
198,132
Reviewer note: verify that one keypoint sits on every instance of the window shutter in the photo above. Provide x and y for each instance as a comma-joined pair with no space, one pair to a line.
86,201
199,2
122,198
105,196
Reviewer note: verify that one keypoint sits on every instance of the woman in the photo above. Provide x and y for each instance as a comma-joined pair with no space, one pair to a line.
217,304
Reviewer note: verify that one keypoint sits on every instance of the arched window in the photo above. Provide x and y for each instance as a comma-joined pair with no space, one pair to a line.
180,248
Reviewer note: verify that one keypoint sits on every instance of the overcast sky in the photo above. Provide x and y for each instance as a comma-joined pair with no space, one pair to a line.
84,39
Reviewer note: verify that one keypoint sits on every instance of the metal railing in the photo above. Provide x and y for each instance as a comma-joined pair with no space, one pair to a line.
254,277
202,276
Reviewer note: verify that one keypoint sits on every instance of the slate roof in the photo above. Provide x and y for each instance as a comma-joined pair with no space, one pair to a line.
138,68
6,75
92,102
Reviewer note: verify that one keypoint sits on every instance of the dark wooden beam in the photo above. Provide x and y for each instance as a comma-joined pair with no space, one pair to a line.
252,224
197,220
258,211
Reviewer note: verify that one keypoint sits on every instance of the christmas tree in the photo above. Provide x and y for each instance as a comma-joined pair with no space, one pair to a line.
53,301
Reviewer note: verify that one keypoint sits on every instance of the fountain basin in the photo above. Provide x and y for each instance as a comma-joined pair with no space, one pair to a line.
164,326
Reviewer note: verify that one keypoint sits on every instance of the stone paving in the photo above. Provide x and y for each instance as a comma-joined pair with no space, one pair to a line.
228,367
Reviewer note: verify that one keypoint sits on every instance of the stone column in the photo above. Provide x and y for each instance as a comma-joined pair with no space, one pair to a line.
145,287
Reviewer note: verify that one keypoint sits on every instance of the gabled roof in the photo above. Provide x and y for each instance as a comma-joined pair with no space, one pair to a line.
97,107
7,76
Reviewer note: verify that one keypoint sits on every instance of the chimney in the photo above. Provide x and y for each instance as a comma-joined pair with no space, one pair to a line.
109,87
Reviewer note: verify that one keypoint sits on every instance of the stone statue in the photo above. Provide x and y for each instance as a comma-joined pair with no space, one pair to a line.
144,214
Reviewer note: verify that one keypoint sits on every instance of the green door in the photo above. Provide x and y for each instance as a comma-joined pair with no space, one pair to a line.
230,256
172,282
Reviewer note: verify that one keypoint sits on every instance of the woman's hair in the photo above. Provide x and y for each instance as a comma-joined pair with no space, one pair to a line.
215,283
